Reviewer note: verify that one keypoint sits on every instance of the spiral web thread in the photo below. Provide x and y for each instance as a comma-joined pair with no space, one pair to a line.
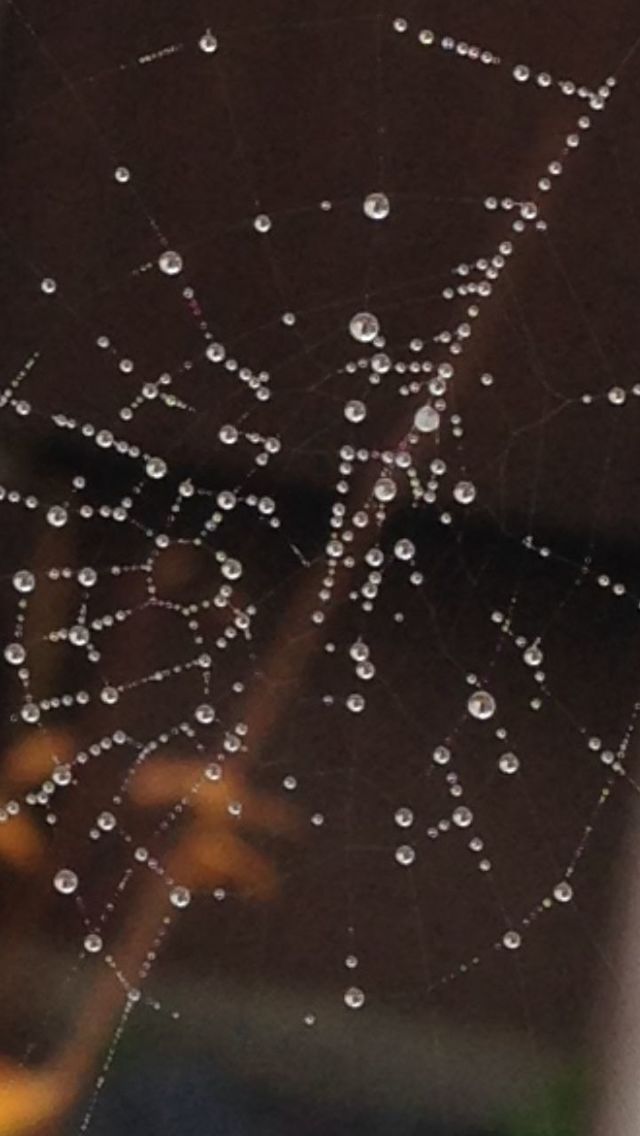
217,660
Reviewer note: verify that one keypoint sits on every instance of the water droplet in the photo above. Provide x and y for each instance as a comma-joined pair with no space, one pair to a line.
232,569
356,703
262,223
404,549
376,206
208,43
24,581
511,940
359,651
385,489
354,997
426,419
79,635
380,363
364,327
228,434
563,892
180,896
57,516
464,492
156,468
93,943
481,704
65,881
122,174
355,410
405,855
462,816
215,352
205,714
533,656
508,763
15,654
170,262
87,577
403,817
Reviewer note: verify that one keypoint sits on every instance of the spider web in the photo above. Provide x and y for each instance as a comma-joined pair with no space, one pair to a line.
312,487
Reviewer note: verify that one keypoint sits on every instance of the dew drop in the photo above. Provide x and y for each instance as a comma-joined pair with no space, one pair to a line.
364,327
87,577
464,492
511,940
376,206
404,549
180,896
426,419
24,581
65,881
403,817
481,704
356,703
106,821
208,43
57,516
563,892
462,817
232,569
170,262
508,763
355,410
156,468
15,654
354,998
385,489
405,855
380,363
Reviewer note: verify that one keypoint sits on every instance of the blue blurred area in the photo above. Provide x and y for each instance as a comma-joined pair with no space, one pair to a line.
198,1101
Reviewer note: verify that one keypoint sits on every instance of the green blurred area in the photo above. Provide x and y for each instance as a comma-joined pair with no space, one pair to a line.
561,1111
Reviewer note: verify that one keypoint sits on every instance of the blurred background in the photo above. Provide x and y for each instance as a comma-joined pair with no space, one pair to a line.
207,921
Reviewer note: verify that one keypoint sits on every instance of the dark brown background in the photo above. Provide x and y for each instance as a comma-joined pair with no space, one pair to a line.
304,102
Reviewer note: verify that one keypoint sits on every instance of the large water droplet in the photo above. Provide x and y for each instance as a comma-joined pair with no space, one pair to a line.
376,206
364,327
65,881
481,704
